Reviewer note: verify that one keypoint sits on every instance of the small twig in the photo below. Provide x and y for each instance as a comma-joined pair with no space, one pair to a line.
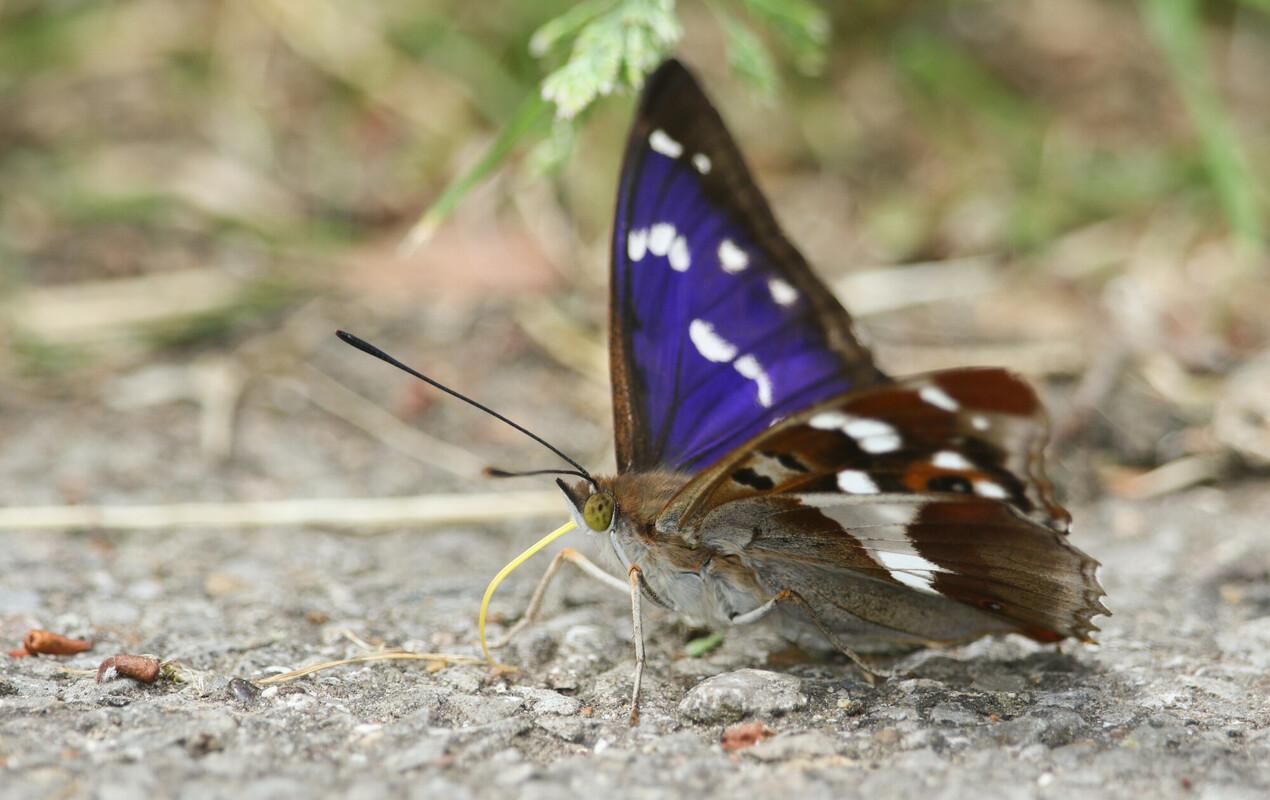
564,340
359,641
375,512
89,312
220,382
379,655
1174,476
77,671
335,398
1036,358
1095,386
890,288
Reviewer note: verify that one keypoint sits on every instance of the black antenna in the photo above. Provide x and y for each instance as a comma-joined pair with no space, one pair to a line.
496,472
370,349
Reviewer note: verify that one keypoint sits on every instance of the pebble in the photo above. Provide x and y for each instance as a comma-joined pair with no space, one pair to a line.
569,729
809,744
545,701
421,754
743,693
474,709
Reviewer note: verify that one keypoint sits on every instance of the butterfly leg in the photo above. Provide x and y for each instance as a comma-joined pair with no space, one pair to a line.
754,615
636,577
870,674
540,592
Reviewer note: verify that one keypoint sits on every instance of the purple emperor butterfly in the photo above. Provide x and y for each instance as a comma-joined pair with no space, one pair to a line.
767,469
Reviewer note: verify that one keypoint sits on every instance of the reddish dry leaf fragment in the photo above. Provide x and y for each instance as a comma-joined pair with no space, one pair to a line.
747,734
139,668
38,642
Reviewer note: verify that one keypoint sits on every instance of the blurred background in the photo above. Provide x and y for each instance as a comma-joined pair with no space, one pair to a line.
194,195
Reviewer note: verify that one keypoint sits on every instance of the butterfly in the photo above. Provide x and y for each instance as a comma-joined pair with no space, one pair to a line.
767,469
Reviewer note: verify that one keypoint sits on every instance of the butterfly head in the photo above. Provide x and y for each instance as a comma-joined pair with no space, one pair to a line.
592,505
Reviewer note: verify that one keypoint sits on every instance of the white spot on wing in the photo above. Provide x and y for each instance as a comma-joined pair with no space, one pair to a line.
909,569
731,257
680,258
828,420
990,489
853,481
980,422
938,398
636,244
702,162
749,367
660,237
873,435
660,141
947,459
710,344
782,292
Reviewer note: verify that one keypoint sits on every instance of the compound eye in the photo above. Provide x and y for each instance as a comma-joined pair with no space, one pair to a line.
598,511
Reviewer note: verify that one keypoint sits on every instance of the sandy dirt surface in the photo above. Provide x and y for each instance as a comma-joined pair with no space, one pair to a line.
1173,702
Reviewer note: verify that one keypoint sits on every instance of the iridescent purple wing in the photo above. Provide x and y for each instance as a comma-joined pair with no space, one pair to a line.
718,327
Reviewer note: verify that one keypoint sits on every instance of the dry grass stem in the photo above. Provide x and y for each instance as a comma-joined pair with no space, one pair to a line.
90,311
1181,473
875,291
565,340
1050,357
353,513
444,659
337,399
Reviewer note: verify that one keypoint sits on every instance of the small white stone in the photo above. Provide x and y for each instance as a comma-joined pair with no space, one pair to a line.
702,162
710,344
782,292
660,237
680,258
660,141
731,257
853,481
947,459
938,398
636,244
753,693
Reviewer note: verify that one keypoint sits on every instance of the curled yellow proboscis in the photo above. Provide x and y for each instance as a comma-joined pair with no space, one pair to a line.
509,569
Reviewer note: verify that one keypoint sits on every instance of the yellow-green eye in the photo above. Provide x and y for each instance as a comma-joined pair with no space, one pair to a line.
598,511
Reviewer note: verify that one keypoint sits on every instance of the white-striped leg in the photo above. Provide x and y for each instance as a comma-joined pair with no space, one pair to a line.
637,624
535,601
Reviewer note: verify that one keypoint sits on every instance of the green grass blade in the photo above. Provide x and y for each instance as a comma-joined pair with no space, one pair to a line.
1177,29
533,116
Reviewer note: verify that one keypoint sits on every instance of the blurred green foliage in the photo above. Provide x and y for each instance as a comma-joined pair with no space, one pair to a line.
1177,27
139,134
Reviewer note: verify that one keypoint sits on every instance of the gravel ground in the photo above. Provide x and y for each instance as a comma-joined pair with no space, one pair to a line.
1173,703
